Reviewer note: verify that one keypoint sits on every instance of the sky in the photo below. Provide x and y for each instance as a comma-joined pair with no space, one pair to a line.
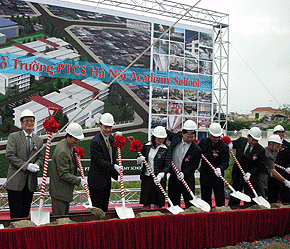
259,35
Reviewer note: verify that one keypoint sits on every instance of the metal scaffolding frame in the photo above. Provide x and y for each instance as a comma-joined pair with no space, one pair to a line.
218,21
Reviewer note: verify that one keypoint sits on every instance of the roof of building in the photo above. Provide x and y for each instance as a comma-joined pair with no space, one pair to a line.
48,42
261,109
27,49
40,100
85,86
6,22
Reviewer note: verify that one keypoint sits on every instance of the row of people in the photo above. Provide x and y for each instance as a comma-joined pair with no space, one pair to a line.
182,150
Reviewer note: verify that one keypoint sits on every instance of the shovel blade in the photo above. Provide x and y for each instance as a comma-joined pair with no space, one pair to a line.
261,201
40,216
241,196
175,209
124,212
199,203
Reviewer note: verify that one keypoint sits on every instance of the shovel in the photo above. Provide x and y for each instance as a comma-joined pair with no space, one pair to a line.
173,209
237,194
40,216
86,187
258,199
123,212
278,166
196,201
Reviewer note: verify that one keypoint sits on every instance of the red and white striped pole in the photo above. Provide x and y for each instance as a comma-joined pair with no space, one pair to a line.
121,175
43,183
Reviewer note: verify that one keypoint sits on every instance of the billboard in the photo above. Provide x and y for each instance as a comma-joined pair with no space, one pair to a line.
67,41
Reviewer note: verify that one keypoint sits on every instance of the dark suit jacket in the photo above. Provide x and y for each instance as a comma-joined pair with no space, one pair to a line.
283,159
190,161
219,157
162,160
16,154
253,164
101,169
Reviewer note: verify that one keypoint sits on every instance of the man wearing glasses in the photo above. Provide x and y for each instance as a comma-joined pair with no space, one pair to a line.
21,146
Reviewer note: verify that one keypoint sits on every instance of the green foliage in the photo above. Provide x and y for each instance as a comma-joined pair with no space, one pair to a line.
238,125
117,106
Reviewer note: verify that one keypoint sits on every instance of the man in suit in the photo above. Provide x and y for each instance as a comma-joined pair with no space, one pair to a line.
186,157
282,157
251,156
103,163
21,146
63,170
217,152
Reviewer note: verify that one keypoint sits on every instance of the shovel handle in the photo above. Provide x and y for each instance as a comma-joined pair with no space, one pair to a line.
52,109
213,168
278,166
182,179
83,175
47,150
155,178
243,172
130,139
121,174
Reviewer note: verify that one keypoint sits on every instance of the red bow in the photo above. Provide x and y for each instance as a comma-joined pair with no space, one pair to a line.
226,139
80,152
136,146
50,125
119,142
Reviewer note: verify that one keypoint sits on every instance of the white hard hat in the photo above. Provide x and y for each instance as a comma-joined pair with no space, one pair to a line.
215,129
275,139
189,125
278,128
26,113
159,132
107,119
75,130
255,133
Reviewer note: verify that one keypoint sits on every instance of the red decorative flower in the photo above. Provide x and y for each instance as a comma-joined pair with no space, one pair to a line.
119,142
136,146
195,140
80,152
50,125
226,139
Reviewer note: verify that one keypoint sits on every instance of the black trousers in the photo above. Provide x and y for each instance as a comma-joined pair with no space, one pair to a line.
20,202
100,198
277,188
219,192
175,189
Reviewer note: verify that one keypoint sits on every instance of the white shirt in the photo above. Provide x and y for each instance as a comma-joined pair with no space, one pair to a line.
179,152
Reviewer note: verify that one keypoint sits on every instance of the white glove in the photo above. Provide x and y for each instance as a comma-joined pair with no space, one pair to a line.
118,133
231,146
180,176
117,168
247,176
218,172
83,182
287,183
288,170
33,167
160,176
140,159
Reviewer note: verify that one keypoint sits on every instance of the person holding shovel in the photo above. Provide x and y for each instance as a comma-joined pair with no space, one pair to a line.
63,170
217,152
277,188
274,144
186,156
21,146
103,163
158,156
251,156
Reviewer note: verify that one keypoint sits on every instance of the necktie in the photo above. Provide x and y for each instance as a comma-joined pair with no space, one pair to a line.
108,146
247,152
28,140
